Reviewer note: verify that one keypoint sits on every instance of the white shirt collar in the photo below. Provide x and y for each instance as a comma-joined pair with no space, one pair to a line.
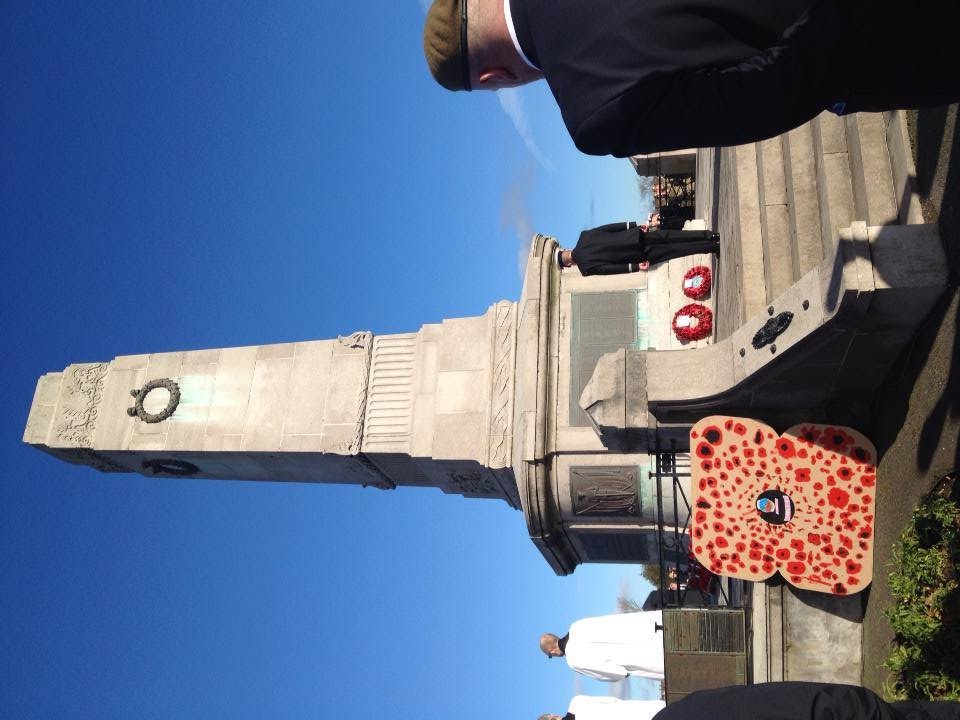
513,34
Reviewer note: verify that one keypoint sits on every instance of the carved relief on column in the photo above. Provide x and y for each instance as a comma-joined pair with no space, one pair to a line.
360,340
604,490
371,475
472,481
508,485
501,396
479,482
390,394
80,404
92,458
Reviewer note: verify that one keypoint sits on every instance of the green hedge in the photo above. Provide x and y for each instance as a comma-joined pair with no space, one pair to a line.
925,614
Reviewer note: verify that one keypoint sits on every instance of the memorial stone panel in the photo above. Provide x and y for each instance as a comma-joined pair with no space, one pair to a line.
601,323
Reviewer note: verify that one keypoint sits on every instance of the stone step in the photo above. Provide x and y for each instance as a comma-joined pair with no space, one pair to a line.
724,206
778,268
905,190
870,171
802,199
834,185
813,621
767,631
750,235
708,178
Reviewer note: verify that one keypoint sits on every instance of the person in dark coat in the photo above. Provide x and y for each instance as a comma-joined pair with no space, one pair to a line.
671,216
802,701
641,76
628,247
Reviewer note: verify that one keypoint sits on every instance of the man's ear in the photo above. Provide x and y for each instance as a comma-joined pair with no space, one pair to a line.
496,75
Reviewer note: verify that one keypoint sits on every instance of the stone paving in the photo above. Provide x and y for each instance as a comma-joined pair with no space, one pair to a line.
716,202
917,416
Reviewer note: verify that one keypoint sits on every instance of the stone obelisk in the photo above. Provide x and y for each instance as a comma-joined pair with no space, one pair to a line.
430,408
487,406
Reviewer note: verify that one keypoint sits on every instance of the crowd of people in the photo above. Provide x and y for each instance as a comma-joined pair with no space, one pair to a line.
614,647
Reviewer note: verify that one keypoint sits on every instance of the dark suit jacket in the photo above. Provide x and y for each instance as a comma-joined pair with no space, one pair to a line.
782,701
672,216
639,76
609,249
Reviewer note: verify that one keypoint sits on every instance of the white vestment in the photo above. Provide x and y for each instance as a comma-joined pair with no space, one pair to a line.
611,647
588,707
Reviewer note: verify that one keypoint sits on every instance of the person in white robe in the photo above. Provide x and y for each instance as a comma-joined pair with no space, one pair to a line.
611,647
590,707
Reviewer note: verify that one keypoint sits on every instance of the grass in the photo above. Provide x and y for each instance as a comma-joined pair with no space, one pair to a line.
925,614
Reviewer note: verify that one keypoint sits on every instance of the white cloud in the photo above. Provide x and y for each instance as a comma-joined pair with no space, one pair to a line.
515,213
511,102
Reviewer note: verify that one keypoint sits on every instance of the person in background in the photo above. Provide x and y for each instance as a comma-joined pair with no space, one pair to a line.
605,707
611,647
802,701
630,247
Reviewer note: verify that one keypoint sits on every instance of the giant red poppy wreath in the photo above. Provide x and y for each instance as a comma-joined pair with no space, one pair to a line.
801,503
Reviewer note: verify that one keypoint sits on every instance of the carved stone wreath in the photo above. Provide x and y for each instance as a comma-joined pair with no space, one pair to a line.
169,466
140,395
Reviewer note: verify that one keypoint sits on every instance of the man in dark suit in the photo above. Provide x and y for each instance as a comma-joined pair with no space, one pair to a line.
640,76
628,247
802,701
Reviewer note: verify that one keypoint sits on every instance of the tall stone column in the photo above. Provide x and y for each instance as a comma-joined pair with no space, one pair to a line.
431,408
481,406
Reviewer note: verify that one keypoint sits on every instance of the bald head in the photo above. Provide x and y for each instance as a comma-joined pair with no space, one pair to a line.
550,645
481,57
565,258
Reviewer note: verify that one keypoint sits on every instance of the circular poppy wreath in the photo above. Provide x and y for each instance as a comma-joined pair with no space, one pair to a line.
703,326
697,291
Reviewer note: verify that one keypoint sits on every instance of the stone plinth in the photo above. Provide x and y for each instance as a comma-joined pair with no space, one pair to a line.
585,499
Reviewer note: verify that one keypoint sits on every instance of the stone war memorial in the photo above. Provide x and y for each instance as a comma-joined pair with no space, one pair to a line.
575,403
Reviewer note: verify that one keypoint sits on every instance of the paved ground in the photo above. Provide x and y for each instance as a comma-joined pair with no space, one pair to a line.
916,423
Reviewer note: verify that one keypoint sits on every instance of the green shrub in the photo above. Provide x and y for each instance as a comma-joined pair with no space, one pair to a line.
925,614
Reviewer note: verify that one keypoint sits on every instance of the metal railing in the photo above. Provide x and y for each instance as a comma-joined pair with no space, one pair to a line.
676,190
674,197
705,636
684,582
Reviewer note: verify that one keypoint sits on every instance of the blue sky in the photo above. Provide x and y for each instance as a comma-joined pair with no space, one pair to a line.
189,175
